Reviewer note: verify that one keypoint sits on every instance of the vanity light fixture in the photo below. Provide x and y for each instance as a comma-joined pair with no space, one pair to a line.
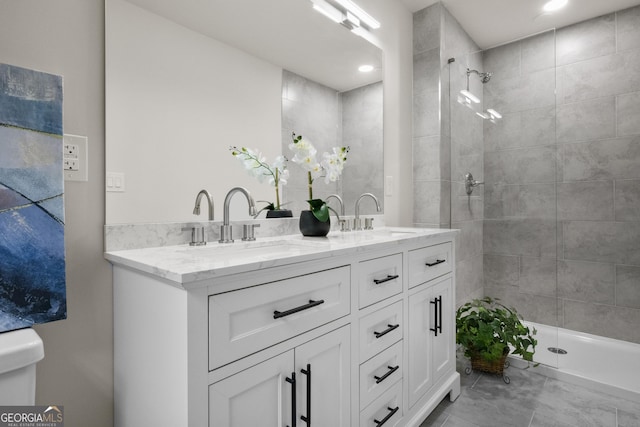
367,19
553,5
365,68
327,10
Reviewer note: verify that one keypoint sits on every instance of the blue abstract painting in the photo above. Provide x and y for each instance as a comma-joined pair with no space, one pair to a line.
32,258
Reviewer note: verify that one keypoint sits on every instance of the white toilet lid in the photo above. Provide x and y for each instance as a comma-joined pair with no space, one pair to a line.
19,349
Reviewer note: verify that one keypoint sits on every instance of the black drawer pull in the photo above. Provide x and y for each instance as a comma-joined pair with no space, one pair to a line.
391,370
386,331
292,381
389,415
386,279
438,261
278,314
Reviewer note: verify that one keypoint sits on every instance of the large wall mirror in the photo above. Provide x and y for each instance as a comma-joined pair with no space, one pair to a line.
186,80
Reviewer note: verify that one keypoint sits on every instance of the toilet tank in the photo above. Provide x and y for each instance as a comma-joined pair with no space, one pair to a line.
20,350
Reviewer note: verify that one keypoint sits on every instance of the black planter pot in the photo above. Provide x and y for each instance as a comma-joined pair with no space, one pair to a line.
310,226
282,213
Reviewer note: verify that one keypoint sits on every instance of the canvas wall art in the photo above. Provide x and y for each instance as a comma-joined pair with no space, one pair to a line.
32,257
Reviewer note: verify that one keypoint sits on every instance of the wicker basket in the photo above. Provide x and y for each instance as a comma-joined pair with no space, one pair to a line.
492,367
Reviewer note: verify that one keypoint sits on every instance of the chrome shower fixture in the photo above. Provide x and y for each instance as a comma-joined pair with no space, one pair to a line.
484,77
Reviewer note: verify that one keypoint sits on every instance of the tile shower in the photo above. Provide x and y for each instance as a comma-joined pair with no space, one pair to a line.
555,230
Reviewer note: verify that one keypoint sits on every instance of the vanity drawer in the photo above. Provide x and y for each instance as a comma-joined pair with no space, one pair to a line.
428,263
247,320
387,408
379,330
379,278
379,373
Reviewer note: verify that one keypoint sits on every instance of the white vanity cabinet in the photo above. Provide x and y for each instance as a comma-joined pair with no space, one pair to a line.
317,373
356,330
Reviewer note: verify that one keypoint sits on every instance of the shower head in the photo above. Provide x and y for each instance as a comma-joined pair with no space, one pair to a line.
484,77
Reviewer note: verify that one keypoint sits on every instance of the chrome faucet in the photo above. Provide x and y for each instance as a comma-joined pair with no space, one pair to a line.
470,183
344,224
196,209
226,233
357,223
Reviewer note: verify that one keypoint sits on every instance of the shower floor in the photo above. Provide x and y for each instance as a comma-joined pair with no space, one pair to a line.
530,400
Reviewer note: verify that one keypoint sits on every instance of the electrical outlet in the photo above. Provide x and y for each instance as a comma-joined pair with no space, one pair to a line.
71,164
74,158
70,151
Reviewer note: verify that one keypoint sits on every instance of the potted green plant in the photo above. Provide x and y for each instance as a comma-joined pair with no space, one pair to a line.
488,331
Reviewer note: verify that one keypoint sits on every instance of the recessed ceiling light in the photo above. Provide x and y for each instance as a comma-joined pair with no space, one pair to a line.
365,68
554,5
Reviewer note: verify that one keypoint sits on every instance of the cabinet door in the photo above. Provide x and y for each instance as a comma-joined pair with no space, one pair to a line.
258,396
431,337
324,395
443,348
420,342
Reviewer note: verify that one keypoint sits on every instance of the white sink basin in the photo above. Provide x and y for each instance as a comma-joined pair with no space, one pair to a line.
258,249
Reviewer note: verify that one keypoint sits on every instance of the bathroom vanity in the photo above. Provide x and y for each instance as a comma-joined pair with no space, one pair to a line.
356,329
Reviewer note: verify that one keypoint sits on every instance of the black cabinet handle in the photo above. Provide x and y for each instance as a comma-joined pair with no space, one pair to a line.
386,279
391,370
438,261
292,381
278,314
437,315
386,331
307,372
389,415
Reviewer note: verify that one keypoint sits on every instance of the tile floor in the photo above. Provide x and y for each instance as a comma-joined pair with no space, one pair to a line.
530,400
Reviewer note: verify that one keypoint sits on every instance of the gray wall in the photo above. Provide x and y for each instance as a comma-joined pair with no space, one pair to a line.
563,176
66,37
447,140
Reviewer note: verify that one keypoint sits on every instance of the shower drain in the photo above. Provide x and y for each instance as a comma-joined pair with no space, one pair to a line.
557,350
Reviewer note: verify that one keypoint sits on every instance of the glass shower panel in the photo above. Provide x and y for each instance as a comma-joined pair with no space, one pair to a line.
502,126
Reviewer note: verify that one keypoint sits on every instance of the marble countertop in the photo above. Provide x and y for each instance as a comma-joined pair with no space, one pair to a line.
185,264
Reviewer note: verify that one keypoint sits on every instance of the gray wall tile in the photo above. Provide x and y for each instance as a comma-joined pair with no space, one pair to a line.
628,286
601,319
426,28
426,71
627,200
539,52
426,116
456,41
469,242
538,276
426,158
528,91
520,201
530,237
469,276
521,166
588,39
586,120
535,308
586,281
521,129
426,198
606,159
590,200
607,75
501,270
503,61
628,109
628,28
602,241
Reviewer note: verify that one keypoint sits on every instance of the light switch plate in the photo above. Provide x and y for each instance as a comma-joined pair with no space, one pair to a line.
75,154
115,182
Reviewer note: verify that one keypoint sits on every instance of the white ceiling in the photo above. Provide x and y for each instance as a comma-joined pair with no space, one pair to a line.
495,22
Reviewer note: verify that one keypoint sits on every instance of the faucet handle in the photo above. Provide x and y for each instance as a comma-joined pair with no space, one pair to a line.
248,231
197,236
368,223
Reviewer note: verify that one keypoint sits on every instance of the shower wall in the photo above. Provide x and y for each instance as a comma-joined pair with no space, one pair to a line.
562,209
442,152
